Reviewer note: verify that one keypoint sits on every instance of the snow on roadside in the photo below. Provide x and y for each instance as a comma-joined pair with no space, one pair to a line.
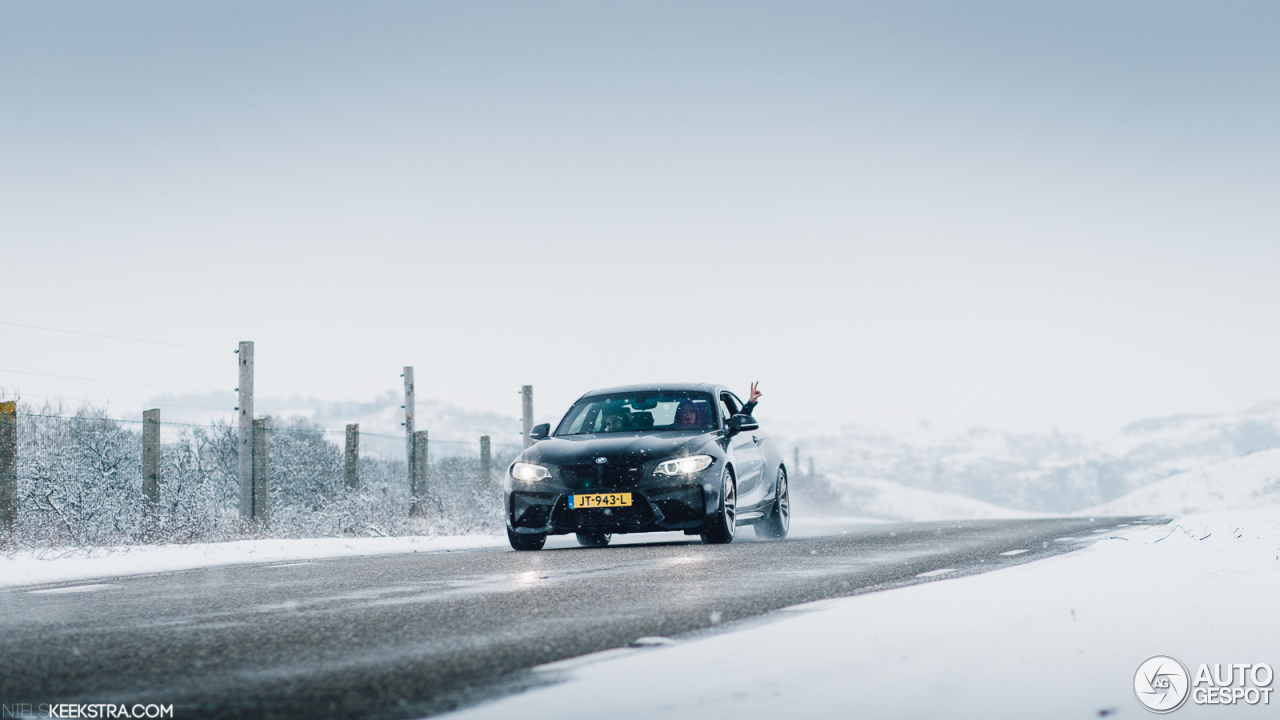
38,567
1058,638
52,566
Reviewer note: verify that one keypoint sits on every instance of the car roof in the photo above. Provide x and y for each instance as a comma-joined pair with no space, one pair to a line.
649,387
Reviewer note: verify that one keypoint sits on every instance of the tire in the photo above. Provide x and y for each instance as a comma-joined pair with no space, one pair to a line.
526,542
778,524
722,527
594,539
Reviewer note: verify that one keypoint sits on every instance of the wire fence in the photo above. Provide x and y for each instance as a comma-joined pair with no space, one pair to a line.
80,483
78,478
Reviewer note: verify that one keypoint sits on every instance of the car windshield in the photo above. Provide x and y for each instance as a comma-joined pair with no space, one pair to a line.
639,411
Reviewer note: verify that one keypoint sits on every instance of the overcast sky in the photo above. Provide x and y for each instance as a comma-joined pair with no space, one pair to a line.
1018,215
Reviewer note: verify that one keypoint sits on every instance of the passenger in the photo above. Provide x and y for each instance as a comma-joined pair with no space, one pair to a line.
755,398
688,416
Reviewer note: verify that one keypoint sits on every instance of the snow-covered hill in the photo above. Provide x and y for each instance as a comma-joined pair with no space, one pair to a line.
882,499
1245,483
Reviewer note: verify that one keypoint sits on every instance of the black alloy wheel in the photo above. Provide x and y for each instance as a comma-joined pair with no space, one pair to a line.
778,524
725,522
526,542
594,539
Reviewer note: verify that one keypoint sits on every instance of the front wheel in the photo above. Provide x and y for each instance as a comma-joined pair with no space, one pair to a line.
594,539
778,524
725,523
526,542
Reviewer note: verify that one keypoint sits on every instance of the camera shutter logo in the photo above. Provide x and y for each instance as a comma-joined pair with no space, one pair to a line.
1162,684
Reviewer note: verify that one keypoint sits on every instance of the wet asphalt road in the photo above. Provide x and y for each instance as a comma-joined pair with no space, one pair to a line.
404,636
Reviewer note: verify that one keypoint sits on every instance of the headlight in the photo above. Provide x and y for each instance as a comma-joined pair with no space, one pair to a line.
529,472
684,466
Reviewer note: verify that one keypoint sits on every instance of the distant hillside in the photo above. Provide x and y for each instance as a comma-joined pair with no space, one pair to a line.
379,416
1248,482
1048,472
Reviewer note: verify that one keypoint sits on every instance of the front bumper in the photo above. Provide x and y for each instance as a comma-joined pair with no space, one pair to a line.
534,510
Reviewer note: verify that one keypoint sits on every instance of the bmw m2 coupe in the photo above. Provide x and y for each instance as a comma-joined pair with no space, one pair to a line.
648,458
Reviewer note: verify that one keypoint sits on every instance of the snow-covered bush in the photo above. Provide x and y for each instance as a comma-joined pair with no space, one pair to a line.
80,483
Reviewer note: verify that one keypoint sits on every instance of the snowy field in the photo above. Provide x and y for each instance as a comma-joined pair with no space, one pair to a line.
1058,638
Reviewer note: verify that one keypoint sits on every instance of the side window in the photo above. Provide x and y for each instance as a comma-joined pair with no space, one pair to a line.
728,408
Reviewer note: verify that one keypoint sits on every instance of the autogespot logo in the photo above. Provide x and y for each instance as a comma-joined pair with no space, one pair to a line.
1161,684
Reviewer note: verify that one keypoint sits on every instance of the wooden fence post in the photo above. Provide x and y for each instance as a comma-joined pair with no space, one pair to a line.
262,471
151,459
352,457
8,464
526,393
418,484
408,425
486,475
245,446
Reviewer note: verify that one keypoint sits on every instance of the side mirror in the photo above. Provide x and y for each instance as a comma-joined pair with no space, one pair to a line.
739,423
540,432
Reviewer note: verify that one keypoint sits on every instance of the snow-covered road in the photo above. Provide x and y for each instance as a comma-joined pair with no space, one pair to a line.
1061,636
407,634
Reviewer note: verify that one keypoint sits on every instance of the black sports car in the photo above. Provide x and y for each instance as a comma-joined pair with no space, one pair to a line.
648,458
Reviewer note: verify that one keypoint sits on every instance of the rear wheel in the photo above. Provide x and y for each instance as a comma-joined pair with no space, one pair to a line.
725,523
594,539
526,542
778,524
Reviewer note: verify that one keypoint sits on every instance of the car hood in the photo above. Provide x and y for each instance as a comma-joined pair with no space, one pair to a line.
626,448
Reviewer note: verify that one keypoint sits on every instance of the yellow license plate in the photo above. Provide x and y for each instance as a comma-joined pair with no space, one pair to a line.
600,500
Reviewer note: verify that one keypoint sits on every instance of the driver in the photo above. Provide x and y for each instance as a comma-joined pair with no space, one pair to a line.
615,420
